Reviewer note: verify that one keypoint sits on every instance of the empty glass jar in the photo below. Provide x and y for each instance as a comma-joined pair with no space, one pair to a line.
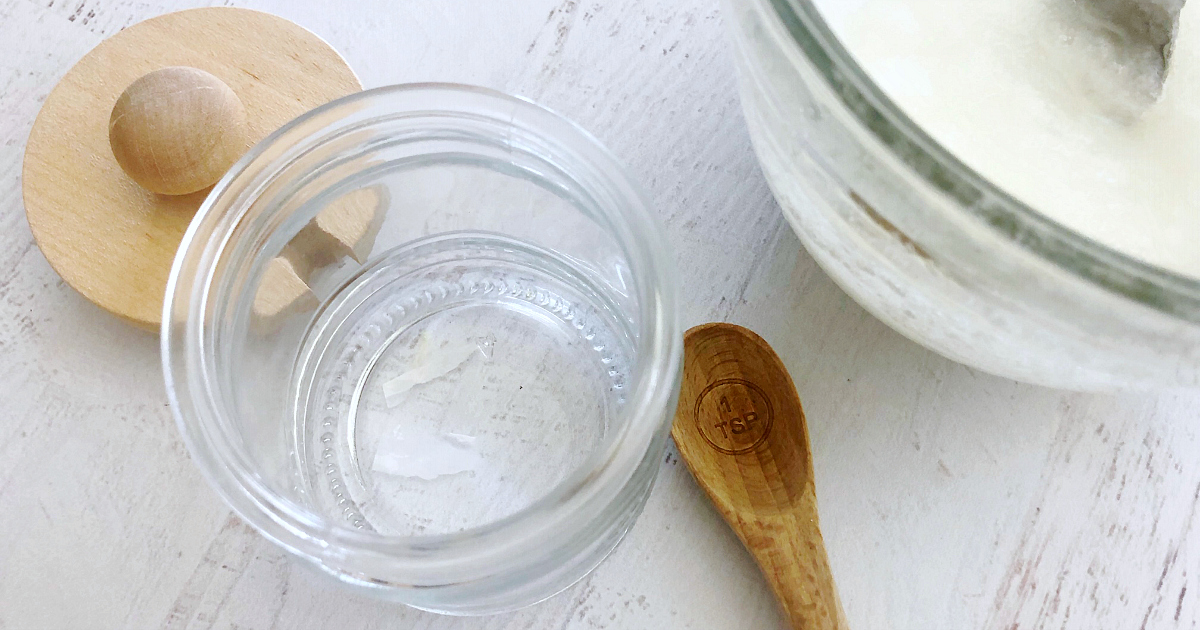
425,339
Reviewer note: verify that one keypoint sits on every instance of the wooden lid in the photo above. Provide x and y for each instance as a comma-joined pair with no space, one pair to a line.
109,238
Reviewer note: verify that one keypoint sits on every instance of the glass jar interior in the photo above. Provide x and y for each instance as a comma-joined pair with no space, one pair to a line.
475,353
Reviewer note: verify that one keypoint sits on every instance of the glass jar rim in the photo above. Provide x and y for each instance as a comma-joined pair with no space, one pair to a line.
458,556
1149,285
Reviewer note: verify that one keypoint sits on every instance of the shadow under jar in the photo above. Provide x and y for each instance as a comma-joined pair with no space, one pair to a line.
933,249
462,406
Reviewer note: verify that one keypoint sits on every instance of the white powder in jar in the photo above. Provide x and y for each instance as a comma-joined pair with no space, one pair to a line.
1011,88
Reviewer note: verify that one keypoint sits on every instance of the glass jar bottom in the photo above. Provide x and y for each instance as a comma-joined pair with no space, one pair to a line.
454,382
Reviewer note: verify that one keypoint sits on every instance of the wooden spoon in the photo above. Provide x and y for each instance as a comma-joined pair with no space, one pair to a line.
740,429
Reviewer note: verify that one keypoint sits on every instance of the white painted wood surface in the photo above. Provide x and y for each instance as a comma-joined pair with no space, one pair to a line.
950,499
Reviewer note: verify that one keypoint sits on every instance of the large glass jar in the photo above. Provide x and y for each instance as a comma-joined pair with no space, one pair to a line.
425,338
932,248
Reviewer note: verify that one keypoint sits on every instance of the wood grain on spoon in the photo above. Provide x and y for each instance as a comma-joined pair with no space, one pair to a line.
741,430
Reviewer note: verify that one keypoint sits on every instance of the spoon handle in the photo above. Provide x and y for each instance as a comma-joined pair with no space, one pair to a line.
789,550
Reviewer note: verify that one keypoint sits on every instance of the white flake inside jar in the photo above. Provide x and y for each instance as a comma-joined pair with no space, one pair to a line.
425,455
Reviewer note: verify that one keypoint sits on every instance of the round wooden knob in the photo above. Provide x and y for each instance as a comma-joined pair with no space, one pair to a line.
177,130
108,236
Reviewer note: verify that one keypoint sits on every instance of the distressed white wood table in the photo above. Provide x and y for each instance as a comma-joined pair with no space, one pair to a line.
949,498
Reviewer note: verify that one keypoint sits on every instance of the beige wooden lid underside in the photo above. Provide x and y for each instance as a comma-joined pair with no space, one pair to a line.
110,239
